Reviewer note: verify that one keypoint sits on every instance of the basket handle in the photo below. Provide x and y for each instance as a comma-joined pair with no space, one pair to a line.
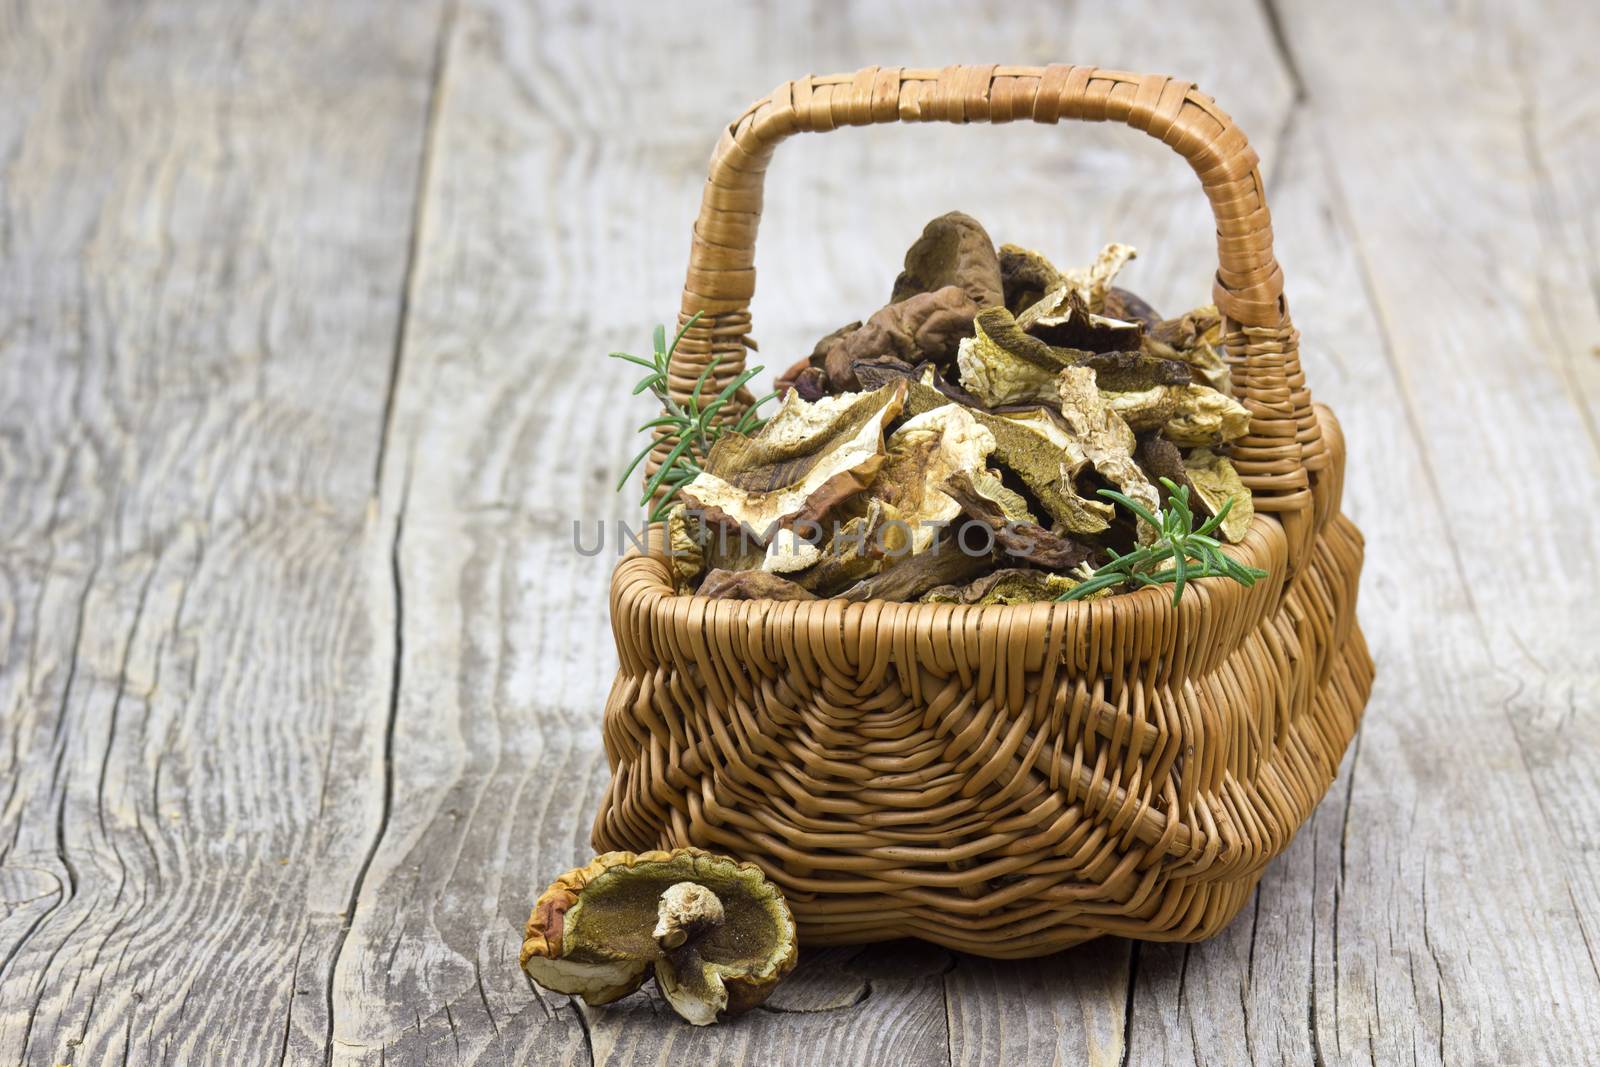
1278,457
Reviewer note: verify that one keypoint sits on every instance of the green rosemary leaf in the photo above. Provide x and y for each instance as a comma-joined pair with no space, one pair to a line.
700,383
645,363
738,381
1216,520
643,452
681,331
1091,585
1194,555
665,420
1133,506
665,469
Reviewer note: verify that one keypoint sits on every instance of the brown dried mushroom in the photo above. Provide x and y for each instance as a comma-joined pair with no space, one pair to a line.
716,933
954,249
995,397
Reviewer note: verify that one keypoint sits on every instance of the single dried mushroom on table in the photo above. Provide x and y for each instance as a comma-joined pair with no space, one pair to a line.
717,935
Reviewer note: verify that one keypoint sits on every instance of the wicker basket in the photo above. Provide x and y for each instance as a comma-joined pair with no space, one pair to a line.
1002,780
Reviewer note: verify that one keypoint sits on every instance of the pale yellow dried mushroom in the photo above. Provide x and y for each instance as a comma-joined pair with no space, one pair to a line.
923,452
717,935
1000,364
1216,482
1105,438
806,459
1089,283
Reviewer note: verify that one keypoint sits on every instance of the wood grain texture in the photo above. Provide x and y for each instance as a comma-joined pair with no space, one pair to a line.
205,220
302,321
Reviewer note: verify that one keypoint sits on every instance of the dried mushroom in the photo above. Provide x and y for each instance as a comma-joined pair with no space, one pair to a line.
1019,538
1195,338
853,552
1015,585
924,326
1087,284
717,935
1189,415
1000,432
751,585
923,452
1077,328
1026,276
1206,417
790,550
944,564
1129,307
1216,482
807,458
1000,364
1160,458
1106,438
954,249
1131,371
1036,446
1091,282
683,541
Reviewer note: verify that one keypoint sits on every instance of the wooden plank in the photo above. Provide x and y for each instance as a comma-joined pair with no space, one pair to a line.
203,238
1482,313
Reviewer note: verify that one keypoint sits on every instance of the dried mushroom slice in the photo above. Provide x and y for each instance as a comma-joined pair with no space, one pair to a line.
1091,282
1105,438
1206,417
1036,446
684,545
1013,585
1144,409
1160,458
910,578
1189,415
722,584
817,361
791,551
1195,338
923,452
1216,482
1000,364
1088,284
954,249
807,458
1129,307
1132,371
1020,539
1077,328
716,933
924,326
851,554
988,486
1026,276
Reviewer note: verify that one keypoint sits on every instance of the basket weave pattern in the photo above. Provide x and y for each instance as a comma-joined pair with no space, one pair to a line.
1005,780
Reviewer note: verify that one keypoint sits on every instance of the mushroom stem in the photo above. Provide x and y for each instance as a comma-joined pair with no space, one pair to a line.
686,909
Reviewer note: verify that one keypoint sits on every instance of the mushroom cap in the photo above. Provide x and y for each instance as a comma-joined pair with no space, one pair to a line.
592,933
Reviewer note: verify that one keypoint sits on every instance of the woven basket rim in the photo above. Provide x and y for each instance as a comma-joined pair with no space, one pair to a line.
642,582
1256,550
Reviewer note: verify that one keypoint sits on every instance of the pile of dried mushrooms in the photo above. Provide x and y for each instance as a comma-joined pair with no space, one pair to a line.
950,447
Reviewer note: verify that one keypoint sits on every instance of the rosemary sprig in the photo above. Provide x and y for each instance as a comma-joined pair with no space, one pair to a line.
1191,549
692,425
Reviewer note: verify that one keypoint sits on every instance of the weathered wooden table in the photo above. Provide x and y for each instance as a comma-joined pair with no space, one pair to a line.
303,314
